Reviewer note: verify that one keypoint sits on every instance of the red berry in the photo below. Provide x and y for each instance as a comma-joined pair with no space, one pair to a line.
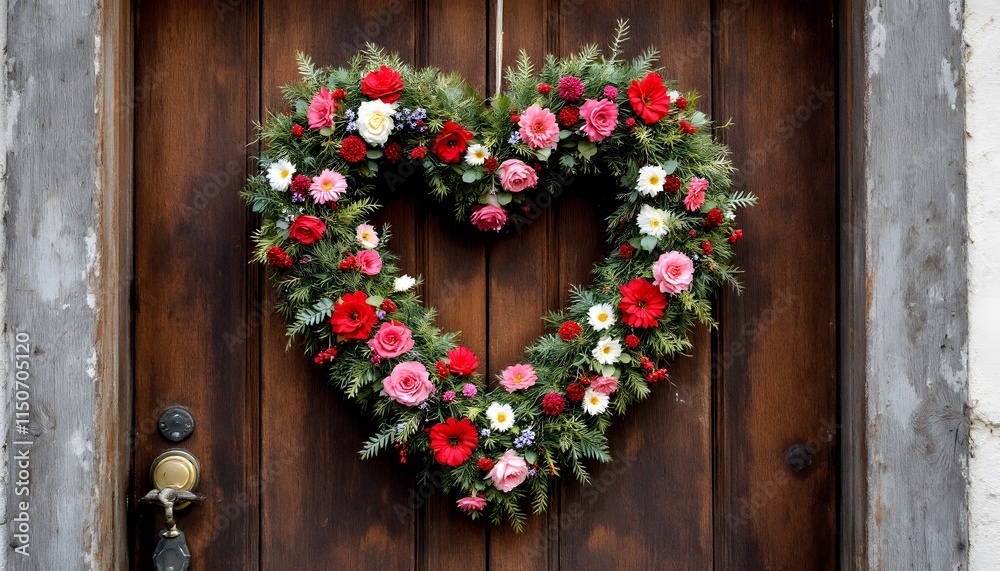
706,247
418,152
626,250
490,165
485,464
297,131
645,363
688,128
569,331
349,263
736,235
325,355
630,123
389,306
631,341
279,258
393,151
682,103
568,116
544,88
692,233
575,392
713,218
339,94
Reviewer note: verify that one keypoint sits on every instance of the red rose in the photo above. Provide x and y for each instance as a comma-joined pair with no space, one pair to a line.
553,404
352,317
307,229
279,258
462,361
649,98
575,392
569,331
713,218
453,441
451,143
642,303
384,84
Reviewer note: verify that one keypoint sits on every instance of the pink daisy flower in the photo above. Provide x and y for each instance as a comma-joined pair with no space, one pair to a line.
517,377
539,128
327,187
696,194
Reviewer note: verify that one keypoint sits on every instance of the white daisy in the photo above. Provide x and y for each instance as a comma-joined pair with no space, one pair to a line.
501,416
403,283
367,236
375,121
595,403
279,174
476,155
651,179
652,221
607,351
601,316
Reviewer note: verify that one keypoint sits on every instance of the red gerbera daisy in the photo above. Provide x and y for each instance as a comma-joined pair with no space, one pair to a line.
649,98
642,303
453,441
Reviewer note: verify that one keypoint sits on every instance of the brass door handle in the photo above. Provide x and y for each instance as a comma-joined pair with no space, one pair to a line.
175,475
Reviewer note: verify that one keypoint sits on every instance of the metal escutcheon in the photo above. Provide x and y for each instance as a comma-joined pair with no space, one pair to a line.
177,469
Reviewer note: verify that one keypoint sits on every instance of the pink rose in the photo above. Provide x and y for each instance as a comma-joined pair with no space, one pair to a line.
673,272
604,385
509,471
370,262
408,384
489,217
321,109
472,503
600,118
516,176
538,128
517,377
696,194
391,340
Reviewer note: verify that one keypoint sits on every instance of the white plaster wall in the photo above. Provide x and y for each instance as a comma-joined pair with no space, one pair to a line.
982,76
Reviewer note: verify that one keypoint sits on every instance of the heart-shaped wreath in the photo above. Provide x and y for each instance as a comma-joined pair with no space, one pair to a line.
672,239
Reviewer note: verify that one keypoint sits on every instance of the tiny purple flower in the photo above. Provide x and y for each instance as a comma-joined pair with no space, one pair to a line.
449,396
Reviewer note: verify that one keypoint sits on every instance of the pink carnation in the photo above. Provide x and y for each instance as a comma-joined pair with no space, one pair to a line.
600,118
517,377
391,340
489,217
472,503
409,383
321,109
469,390
604,385
370,262
509,471
696,194
327,187
673,272
539,128
516,176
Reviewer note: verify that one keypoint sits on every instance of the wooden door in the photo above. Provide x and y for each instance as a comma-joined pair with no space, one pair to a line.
706,473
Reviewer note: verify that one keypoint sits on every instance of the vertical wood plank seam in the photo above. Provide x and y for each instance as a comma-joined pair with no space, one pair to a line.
261,299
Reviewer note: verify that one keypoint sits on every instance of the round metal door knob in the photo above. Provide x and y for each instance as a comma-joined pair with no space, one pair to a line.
176,424
177,469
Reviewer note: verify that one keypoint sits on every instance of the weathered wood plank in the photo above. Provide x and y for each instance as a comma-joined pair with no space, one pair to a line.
915,314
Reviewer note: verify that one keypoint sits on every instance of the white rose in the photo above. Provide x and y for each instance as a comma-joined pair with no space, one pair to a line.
375,121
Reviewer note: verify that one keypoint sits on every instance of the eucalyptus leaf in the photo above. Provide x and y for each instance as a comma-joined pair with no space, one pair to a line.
374,154
648,243
302,107
375,300
504,198
698,119
326,131
543,153
530,456
669,166
567,161
587,149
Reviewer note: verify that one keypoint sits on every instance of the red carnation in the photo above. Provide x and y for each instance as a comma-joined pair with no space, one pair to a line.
393,151
736,235
451,143
352,317
706,247
418,152
642,303
325,355
353,149
339,94
453,441
307,229
389,306
297,131
630,123
575,392
649,98
300,185
490,165
544,88
442,369
713,218
568,116
631,341
279,258
485,464
569,331
553,404
688,128
626,250
384,84
682,103
671,184
462,361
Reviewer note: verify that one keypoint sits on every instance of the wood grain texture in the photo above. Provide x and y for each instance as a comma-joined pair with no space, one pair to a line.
776,353
195,345
663,449
915,317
